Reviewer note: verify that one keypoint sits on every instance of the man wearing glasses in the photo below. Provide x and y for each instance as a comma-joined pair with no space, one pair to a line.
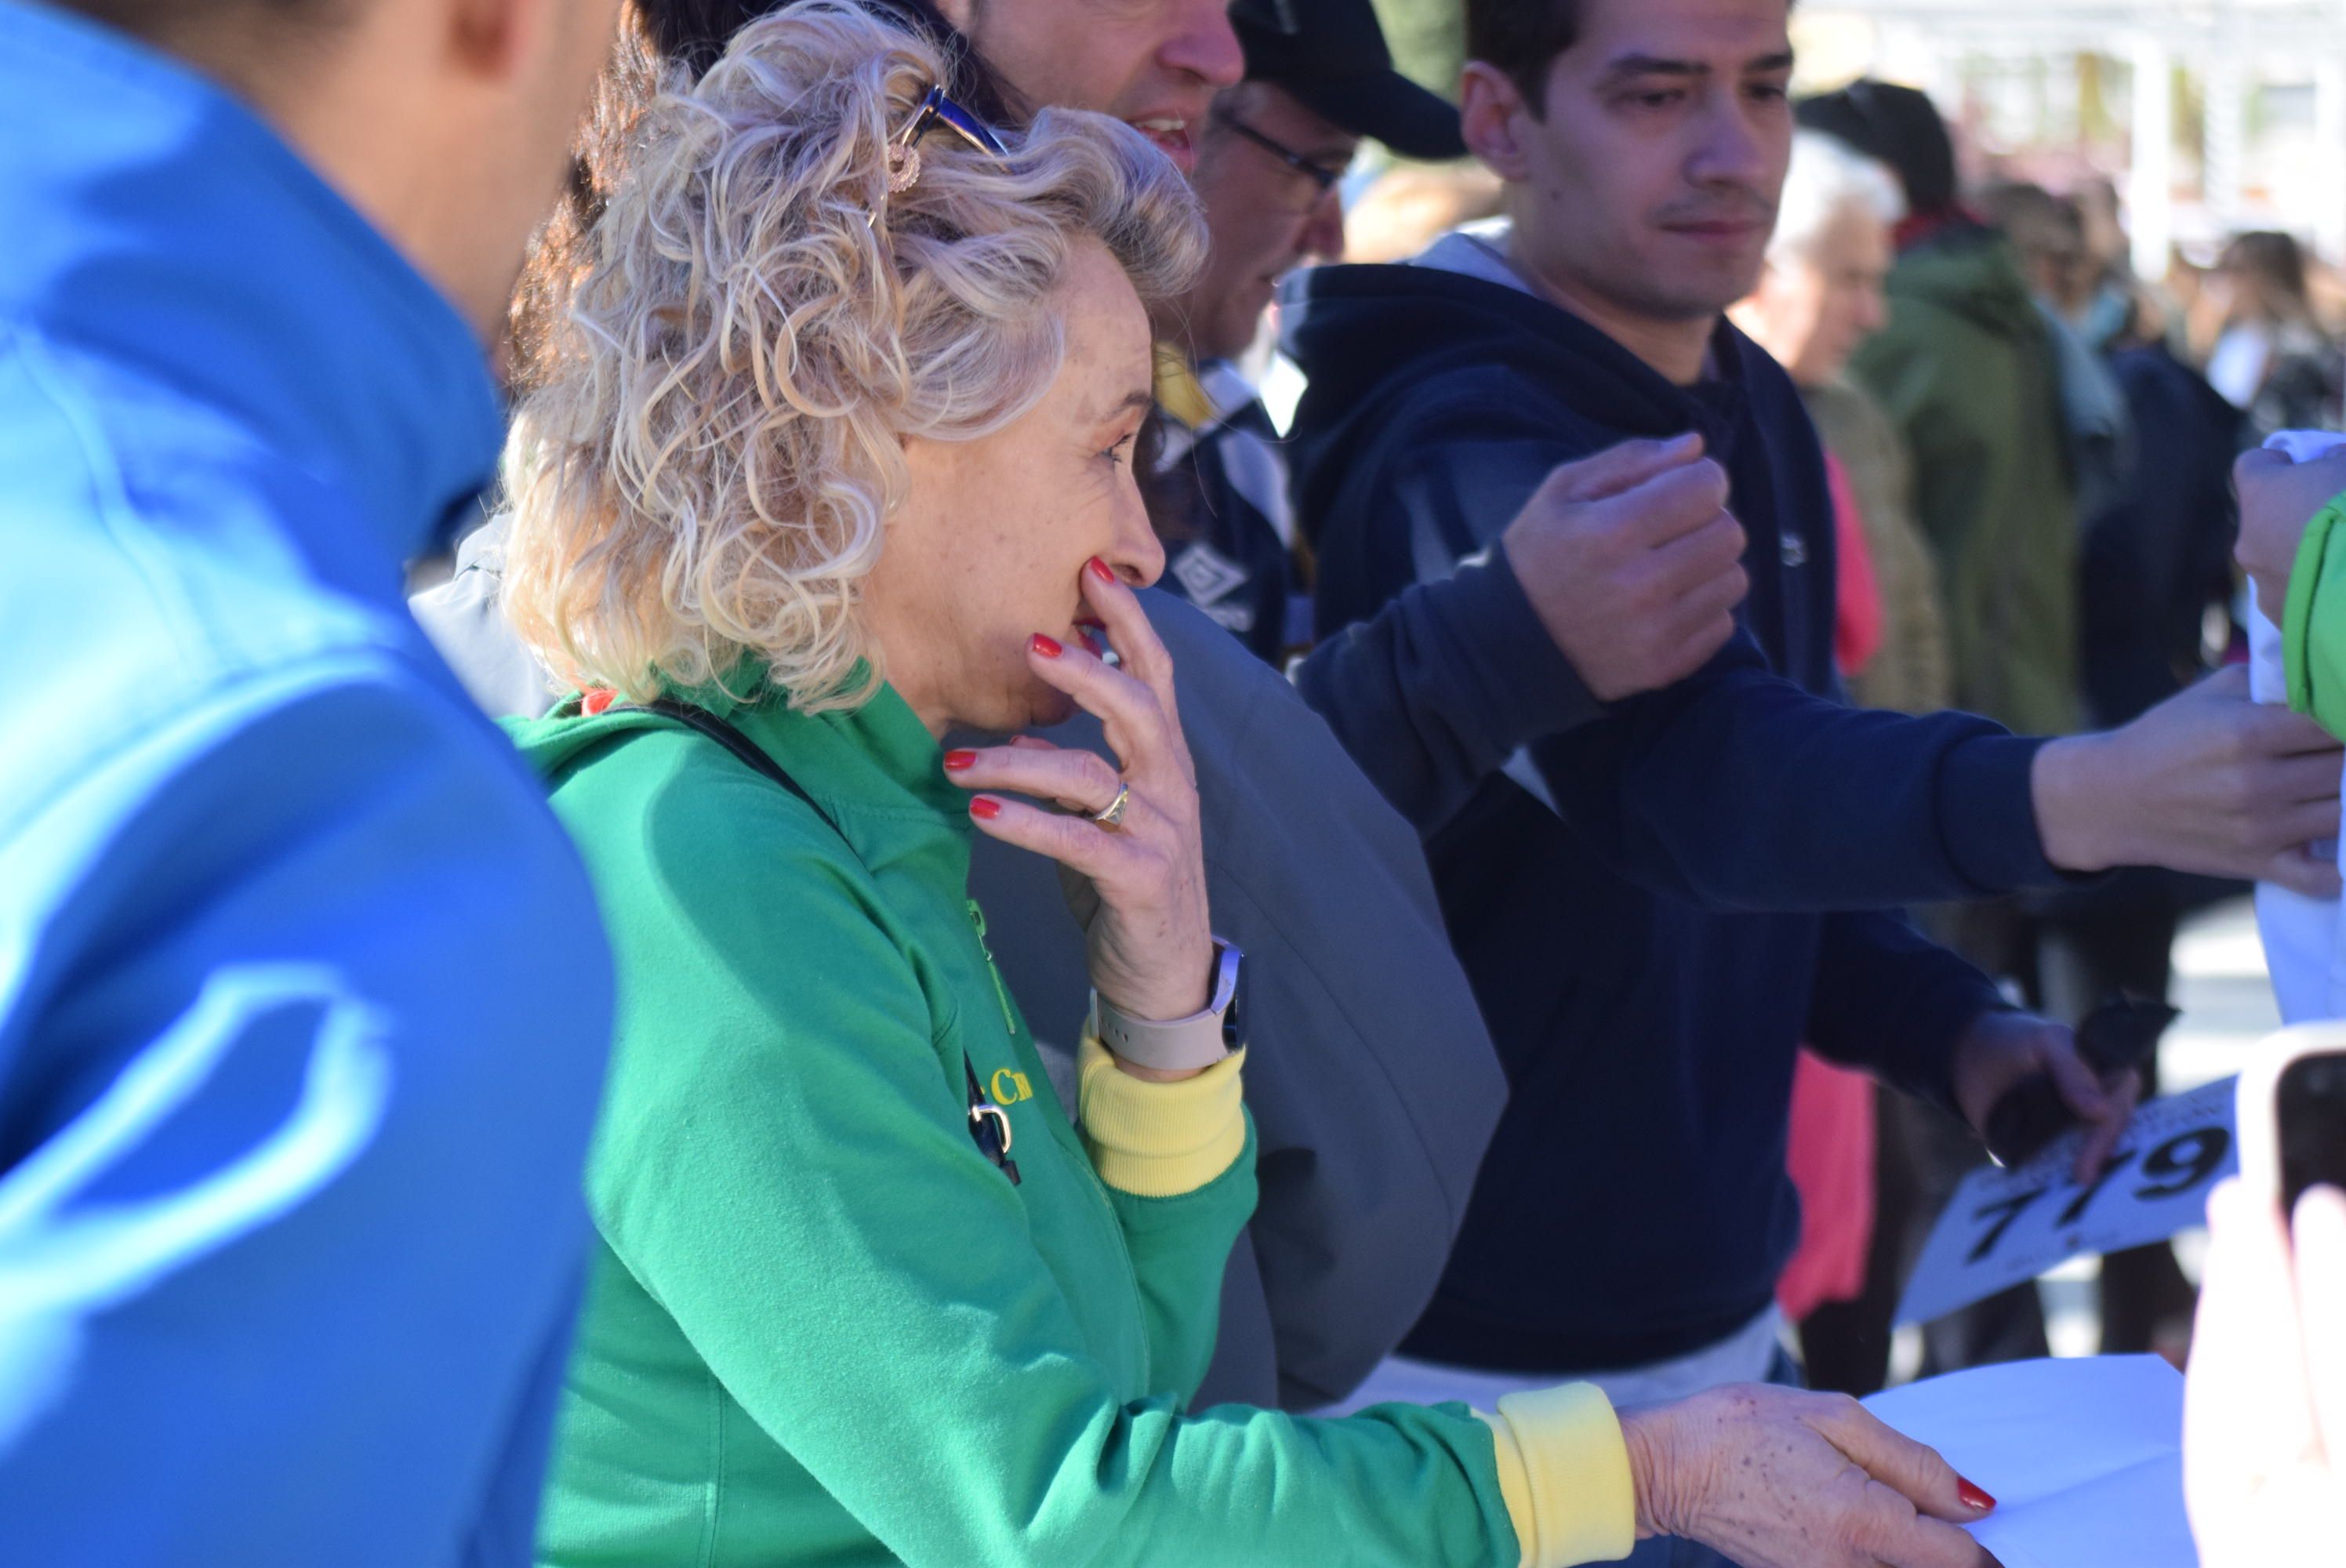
1318,78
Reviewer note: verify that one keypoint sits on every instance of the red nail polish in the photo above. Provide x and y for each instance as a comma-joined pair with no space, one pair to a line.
1047,646
1973,1496
986,809
957,760
1099,569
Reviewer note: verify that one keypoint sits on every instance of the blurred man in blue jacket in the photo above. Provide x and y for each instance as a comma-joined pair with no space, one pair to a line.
295,1076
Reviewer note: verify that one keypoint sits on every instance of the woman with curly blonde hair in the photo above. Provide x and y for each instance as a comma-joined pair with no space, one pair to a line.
833,457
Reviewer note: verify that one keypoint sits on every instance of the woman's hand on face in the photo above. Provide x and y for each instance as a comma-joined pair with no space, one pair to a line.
1777,1477
1138,890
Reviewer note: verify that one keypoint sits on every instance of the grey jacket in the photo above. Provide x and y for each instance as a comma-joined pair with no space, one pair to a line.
1373,1085
461,617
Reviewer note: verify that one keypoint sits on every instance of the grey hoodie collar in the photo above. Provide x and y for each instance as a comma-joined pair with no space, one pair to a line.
1476,250
1479,250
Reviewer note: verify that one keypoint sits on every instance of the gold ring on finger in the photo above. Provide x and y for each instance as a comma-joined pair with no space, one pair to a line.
1112,816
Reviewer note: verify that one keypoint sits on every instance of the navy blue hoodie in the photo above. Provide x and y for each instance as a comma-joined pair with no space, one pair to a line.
1657,901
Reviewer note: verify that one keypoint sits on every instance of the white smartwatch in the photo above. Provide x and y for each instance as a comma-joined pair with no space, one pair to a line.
1180,1045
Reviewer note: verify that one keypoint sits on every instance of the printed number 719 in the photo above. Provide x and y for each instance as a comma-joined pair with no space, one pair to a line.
2177,1166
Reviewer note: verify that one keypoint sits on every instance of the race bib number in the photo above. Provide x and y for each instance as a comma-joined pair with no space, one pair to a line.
2004,1226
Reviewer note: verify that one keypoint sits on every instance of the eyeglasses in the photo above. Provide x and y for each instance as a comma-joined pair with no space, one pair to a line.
1323,179
935,110
903,151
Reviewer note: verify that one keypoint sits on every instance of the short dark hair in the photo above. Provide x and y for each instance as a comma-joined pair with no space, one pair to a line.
2031,217
2274,266
1523,38
1900,126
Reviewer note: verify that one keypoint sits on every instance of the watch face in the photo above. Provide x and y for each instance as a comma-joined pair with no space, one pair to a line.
1230,974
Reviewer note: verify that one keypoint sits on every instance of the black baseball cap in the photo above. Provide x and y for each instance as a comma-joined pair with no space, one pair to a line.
1901,127
1332,56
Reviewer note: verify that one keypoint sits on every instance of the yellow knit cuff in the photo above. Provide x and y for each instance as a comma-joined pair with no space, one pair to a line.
1564,1473
1159,1140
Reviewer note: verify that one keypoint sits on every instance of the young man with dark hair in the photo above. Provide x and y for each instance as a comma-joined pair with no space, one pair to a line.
1613,884
304,1005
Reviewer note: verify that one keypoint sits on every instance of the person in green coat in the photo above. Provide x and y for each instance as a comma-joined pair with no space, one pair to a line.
835,458
1967,373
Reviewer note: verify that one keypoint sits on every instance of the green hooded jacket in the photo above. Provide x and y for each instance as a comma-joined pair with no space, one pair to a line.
2314,622
1966,372
823,1326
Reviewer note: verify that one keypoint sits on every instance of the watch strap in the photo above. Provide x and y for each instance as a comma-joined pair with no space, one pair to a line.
1175,1045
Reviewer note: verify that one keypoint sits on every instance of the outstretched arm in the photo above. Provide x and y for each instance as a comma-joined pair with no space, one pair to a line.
1495,592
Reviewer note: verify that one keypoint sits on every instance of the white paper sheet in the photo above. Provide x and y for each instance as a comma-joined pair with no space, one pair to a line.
2003,1226
2083,1457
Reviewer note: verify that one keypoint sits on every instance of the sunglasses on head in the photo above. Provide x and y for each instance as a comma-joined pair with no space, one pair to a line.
934,110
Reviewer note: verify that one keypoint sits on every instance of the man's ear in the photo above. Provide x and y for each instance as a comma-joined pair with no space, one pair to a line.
959,13
1495,120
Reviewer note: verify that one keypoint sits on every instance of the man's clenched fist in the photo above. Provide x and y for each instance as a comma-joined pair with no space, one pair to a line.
1633,562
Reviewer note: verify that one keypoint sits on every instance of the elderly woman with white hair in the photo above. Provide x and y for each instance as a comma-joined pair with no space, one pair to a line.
834,458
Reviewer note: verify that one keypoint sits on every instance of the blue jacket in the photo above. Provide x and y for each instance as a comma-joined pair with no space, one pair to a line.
1656,903
303,1006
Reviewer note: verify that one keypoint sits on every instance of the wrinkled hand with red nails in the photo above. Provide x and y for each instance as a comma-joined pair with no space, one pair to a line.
1137,889
1781,1478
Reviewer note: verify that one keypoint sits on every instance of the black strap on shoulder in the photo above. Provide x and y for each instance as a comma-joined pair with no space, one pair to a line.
733,740
989,1124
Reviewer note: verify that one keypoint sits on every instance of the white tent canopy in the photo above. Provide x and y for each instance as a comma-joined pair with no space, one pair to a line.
2182,26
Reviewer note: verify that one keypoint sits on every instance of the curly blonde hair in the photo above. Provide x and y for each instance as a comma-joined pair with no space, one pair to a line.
702,476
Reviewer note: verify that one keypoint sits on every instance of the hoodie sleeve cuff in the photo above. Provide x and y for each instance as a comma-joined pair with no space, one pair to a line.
1522,680
1987,812
1159,1140
1564,1473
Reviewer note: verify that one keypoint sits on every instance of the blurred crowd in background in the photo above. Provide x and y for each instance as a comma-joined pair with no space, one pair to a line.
1594,632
